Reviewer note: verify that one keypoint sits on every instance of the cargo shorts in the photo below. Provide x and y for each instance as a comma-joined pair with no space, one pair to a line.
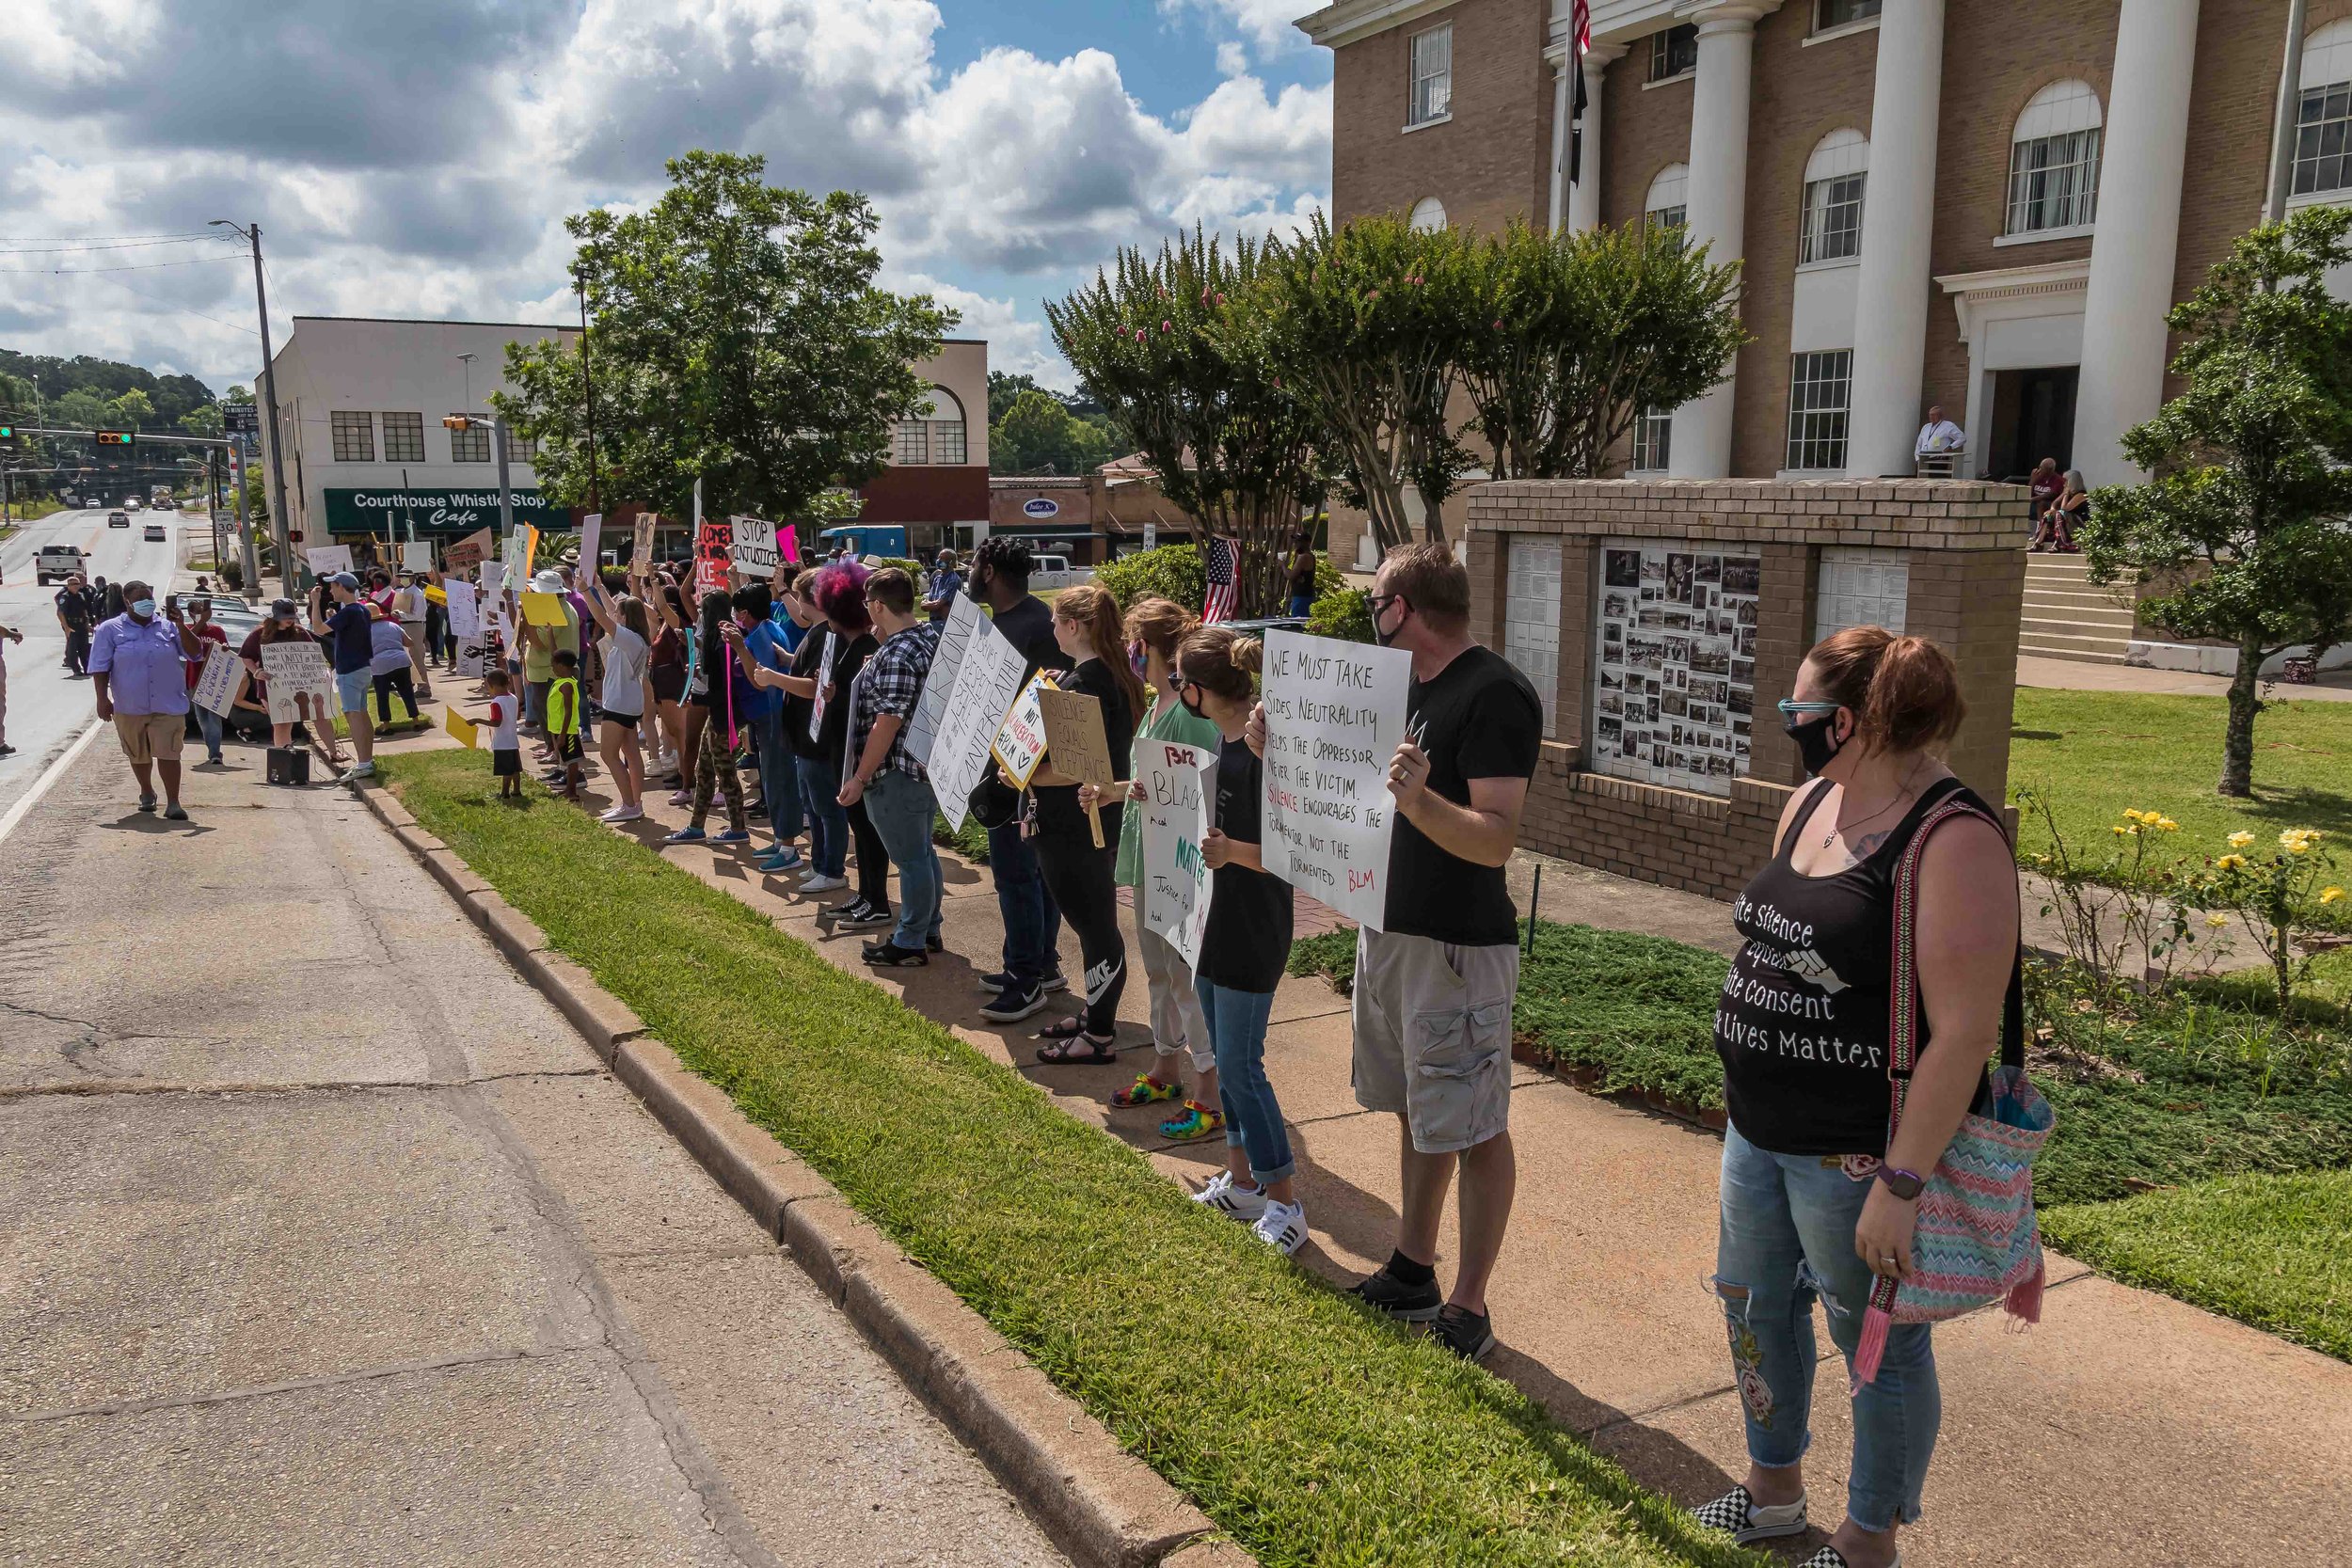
1433,1036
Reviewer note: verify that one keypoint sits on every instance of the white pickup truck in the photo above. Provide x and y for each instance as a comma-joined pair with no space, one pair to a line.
57,563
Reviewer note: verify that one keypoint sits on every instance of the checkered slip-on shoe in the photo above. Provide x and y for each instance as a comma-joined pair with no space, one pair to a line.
1830,1557
1736,1514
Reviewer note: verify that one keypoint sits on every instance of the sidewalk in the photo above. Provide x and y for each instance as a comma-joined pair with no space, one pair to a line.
2334,685
324,1239
2127,1428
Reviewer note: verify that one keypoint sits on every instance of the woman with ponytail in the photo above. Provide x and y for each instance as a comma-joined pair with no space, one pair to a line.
1079,876
1244,949
1155,629
1818,1198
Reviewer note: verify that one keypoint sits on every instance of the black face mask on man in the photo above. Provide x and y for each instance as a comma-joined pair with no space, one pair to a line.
1816,742
1387,638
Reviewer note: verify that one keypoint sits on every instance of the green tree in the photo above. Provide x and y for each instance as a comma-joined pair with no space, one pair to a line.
1203,405
1038,435
1364,326
2244,515
202,420
735,335
80,409
1581,333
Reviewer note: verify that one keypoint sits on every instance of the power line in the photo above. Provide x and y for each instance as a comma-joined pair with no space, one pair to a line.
139,266
114,245
97,239
181,308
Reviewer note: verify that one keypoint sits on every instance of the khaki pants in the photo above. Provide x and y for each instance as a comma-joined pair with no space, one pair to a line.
150,736
1177,1022
1433,1036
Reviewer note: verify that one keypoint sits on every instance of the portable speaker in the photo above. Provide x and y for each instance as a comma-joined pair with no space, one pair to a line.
289,764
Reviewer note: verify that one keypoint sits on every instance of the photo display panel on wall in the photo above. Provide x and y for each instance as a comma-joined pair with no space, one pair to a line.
1673,698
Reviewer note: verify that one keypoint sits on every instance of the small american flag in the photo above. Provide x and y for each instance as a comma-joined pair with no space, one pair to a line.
1224,554
1581,41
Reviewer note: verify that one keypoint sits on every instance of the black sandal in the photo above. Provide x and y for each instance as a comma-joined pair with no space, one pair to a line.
1075,1047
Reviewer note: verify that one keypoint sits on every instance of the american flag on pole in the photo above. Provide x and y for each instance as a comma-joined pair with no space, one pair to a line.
1581,44
1224,558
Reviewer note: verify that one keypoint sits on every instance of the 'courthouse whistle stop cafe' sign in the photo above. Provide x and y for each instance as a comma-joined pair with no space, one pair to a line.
446,510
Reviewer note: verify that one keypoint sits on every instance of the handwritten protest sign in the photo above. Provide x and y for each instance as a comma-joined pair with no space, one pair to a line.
1334,716
216,687
465,612
1179,781
463,728
987,679
640,553
753,547
1019,743
955,635
789,543
472,550
326,559
297,672
591,539
417,556
544,609
473,655
1074,739
714,552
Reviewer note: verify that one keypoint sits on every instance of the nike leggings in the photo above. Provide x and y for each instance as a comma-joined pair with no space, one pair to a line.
1080,878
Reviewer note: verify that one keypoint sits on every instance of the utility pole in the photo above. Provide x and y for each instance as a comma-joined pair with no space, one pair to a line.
588,385
2289,119
289,569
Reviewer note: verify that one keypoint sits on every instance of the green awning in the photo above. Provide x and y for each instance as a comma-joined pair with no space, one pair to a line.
429,512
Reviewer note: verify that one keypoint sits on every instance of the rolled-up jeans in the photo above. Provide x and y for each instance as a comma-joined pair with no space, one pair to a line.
1787,1239
1253,1118
779,776
1032,922
901,807
828,823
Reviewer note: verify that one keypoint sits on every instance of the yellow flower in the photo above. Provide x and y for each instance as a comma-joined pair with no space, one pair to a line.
2130,815
2125,833
2229,863
2216,921
2300,847
2240,840
2331,896
2168,825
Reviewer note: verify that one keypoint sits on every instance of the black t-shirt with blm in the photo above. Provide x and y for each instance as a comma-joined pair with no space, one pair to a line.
1029,626
797,710
1247,941
1058,804
1477,719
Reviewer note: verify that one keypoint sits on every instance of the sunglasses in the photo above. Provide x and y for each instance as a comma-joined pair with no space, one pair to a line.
1790,709
1380,603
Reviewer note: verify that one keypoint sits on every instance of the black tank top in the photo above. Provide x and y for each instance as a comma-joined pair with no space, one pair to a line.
1802,1025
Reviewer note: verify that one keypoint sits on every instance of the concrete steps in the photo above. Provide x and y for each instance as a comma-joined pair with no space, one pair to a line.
2068,616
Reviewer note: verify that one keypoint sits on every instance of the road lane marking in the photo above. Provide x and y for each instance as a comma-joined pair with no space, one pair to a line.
40,787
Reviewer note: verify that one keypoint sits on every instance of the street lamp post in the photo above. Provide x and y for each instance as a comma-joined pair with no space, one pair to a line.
506,493
289,569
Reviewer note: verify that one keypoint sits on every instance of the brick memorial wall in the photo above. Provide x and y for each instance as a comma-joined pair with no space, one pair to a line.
1686,607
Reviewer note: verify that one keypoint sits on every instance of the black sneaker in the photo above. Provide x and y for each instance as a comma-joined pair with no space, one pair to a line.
1054,981
1002,980
933,945
1011,1006
1412,1304
862,916
889,955
1468,1335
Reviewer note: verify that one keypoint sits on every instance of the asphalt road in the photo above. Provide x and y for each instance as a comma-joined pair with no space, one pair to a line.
46,710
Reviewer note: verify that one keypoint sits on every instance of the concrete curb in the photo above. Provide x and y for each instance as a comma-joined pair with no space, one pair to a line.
1101,1505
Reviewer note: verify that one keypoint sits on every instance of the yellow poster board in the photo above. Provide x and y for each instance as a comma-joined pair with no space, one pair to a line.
544,609
462,728
1019,743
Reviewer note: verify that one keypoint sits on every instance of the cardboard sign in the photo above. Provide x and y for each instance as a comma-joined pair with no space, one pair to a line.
463,728
955,635
753,547
789,543
1075,739
326,559
641,552
714,552
465,611
473,655
1334,717
216,689
472,550
417,556
590,540
824,684
530,548
1019,743
1179,782
986,678
544,609
301,686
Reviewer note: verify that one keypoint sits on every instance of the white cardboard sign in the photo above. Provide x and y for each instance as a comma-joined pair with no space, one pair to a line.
216,687
299,669
326,559
1334,717
1020,742
1181,783
591,541
755,552
417,556
987,679
955,635
465,611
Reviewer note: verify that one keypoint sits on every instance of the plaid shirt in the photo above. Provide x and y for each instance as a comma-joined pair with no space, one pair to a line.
892,683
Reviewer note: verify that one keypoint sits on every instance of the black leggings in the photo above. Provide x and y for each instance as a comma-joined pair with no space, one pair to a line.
873,860
1080,878
401,680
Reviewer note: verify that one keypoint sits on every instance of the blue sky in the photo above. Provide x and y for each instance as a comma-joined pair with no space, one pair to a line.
419,159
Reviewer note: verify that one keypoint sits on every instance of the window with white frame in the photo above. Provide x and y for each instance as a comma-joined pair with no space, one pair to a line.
1531,618
2053,160
933,436
404,437
1843,13
1673,52
1860,588
1431,90
1819,387
1653,440
2323,125
470,445
520,448
1674,684
355,435
1835,177
1668,204
1428,214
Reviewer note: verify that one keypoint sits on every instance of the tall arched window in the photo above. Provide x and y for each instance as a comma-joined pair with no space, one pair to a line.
1833,180
2053,160
933,436
1668,204
2323,124
1428,214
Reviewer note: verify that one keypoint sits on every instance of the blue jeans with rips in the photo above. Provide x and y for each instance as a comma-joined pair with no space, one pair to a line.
1032,923
1787,1239
900,807
1253,1120
779,777
827,822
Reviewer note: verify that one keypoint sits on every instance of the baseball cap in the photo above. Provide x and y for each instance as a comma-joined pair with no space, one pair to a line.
281,609
344,580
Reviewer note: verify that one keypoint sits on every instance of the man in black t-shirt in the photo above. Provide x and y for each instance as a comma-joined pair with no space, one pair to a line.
1000,581
1434,989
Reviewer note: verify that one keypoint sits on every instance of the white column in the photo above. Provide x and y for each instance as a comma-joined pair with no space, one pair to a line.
1890,329
2142,155
1584,195
1718,206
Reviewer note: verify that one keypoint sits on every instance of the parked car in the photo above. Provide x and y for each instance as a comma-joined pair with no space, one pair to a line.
117,518
1054,571
57,563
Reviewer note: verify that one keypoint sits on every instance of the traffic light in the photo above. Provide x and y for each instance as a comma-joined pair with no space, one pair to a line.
456,421
112,438
7,435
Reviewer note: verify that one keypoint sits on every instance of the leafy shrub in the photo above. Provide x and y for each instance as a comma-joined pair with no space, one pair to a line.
1175,572
1342,612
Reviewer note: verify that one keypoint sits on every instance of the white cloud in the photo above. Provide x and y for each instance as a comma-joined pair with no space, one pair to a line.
1269,24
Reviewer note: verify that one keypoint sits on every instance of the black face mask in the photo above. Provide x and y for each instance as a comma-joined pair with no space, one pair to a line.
1185,697
1817,743
1386,638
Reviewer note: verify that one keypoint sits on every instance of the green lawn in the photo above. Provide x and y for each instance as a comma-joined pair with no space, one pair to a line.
2100,752
2274,1251
1310,1431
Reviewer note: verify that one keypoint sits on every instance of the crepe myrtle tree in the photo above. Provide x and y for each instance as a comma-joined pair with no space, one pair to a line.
1203,405
2244,518
1363,324
735,335
1579,333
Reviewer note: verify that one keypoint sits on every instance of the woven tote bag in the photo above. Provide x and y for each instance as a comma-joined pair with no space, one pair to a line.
1978,1241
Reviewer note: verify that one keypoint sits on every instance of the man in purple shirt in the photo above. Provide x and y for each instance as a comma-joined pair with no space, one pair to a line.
138,664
